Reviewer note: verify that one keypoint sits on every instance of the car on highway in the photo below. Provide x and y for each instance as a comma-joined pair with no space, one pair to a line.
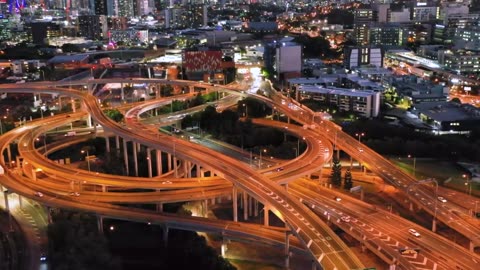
345,218
43,257
442,199
76,194
414,232
337,199
39,194
279,169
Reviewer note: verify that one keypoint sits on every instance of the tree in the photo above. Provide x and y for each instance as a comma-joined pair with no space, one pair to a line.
336,177
68,47
115,115
348,184
456,100
75,243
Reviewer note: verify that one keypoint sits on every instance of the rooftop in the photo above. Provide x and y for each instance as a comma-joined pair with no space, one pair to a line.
59,59
448,111
336,91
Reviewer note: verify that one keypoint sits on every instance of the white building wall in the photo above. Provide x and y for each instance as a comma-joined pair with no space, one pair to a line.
400,16
376,57
288,59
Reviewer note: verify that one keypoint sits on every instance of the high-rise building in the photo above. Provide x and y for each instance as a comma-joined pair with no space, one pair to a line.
42,31
92,26
125,8
363,17
357,56
101,7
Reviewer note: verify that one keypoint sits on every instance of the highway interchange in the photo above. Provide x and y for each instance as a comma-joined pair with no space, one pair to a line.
314,235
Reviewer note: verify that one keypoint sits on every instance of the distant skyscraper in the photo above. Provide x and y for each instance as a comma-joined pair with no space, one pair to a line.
125,8
101,7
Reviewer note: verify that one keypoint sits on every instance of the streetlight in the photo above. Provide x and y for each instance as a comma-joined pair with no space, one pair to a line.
87,158
360,135
414,164
245,110
260,160
468,184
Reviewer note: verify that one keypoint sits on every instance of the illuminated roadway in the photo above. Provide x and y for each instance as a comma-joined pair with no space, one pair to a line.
376,234
329,252
338,140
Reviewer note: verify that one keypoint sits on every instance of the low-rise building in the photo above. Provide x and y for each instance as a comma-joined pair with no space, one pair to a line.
363,103
25,66
448,117
460,62
363,56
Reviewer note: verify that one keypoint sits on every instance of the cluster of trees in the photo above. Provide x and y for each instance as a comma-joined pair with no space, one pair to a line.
394,140
336,175
114,114
180,105
75,243
318,47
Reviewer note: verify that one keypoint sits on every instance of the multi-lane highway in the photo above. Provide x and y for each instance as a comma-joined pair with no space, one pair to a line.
311,231
329,252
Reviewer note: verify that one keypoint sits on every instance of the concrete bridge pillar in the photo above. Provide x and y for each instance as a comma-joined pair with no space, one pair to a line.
471,246
20,201
159,162
265,215
107,144
205,208
255,208
125,156
169,161
165,235
74,105
9,154
159,207
185,166
250,205
89,120
135,160
100,224
149,162
104,188
235,206
5,197
245,205
287,249
117,143
434,225
175,167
